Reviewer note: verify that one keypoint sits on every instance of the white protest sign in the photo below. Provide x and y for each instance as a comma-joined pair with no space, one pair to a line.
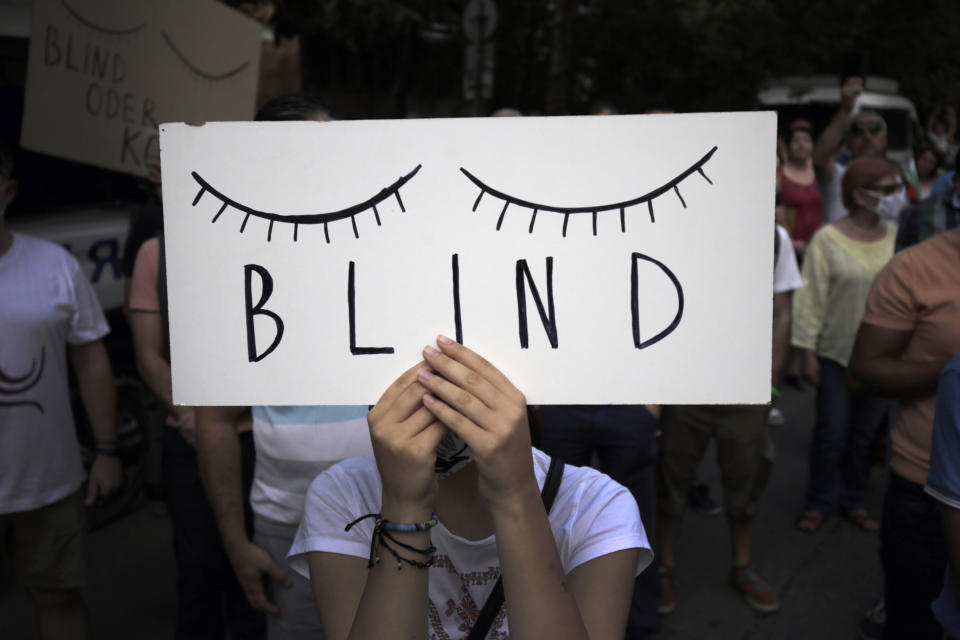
102,73
608,259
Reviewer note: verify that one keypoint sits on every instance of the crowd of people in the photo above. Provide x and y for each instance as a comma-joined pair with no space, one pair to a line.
451,508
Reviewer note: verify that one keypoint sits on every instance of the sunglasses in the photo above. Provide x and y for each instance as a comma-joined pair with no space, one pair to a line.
873,126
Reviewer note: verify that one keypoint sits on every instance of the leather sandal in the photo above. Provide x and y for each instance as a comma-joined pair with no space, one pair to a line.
862,519
809,521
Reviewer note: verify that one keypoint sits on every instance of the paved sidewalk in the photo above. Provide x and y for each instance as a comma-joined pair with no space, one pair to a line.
825,580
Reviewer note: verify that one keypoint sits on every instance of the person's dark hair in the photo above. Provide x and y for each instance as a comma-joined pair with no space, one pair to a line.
603,108
6,160
923,148
799,125
296,106
863,115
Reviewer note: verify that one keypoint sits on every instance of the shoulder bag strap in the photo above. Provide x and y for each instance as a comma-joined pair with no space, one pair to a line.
495,600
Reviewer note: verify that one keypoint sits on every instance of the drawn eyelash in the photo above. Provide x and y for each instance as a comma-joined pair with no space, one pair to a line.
196,70
87,23
312,218
648,198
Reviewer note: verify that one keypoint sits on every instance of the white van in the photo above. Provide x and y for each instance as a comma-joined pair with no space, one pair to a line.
818,97
95,235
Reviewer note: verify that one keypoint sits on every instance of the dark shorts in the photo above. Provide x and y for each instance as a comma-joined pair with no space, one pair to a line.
744,452
46,547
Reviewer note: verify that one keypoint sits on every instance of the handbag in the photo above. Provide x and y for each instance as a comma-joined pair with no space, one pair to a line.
495,600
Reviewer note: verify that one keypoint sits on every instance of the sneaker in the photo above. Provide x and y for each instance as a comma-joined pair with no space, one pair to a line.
757,591
873,622
775,418
698,499
668,596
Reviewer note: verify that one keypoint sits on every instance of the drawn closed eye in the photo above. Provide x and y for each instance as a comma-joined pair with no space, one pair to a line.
595,210
194,68
370,204
107,30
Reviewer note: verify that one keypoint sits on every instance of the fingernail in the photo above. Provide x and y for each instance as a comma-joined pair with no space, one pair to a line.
424,374
428,399
430,352
442,339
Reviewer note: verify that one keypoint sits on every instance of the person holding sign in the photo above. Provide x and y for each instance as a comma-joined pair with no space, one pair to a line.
396,549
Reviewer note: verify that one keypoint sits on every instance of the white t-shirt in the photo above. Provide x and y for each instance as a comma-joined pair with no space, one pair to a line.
832,195
786,273
591,516
293,445
45,302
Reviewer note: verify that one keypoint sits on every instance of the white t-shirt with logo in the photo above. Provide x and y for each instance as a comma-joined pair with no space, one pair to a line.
46,302
591,516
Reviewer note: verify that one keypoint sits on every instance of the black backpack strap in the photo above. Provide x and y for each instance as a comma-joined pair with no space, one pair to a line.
776,246
552,482
495,600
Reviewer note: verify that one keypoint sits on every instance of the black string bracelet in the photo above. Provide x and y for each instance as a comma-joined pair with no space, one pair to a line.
401,559
381,533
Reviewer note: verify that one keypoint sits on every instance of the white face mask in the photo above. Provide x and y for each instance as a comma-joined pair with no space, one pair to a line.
452,454
888,207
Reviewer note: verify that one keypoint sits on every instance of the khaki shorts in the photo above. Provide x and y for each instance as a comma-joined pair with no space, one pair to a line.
46,547
744,453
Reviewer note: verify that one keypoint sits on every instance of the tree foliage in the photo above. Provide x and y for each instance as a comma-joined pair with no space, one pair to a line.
563,55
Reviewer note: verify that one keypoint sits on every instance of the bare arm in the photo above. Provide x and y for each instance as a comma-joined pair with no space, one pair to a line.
832,136
147,329
384,602
601,588
877,365
218,454
476,401
405,427
99,395
782,313
592,602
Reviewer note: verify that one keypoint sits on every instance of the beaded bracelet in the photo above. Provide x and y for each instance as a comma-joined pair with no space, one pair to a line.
381,533
409,527
397,527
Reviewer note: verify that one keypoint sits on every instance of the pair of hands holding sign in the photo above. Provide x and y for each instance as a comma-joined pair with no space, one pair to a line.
456,389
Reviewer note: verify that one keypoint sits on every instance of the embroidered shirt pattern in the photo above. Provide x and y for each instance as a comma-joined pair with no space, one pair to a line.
461,610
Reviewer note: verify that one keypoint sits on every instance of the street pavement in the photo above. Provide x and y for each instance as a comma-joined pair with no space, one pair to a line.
825,580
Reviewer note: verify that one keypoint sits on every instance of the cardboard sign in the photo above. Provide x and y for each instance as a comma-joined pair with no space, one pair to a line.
102,74
607,259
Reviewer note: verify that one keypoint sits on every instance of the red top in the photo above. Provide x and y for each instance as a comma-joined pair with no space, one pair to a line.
805,198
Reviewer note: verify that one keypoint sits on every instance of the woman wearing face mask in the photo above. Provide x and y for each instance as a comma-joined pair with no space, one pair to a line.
841,262
448,522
